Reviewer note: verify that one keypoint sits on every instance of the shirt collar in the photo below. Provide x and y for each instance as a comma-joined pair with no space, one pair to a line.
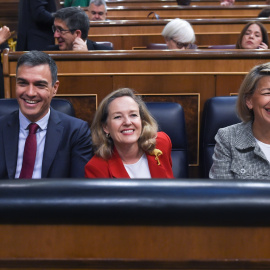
43,122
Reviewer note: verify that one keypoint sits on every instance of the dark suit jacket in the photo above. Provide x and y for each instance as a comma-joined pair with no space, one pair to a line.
113,168
91,45
35,25
67,148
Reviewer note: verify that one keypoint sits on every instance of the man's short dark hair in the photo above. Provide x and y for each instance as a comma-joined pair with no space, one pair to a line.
75,18
37,58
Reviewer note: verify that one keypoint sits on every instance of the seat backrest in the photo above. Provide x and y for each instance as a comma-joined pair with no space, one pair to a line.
218,112
106,43
157,46
9,105
171,119
220,47
163,46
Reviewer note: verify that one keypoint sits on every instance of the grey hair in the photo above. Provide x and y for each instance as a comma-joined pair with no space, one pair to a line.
179,30
99,3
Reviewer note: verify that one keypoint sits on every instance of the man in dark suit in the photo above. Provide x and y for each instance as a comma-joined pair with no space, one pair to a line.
63,143
71,26
35,24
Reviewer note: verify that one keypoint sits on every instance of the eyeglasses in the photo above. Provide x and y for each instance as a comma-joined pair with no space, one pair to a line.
181,45
60,30
99,13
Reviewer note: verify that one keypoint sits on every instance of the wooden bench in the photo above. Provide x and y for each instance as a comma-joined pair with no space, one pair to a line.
140,41
187,77
134,224
185,12
156,26
132,3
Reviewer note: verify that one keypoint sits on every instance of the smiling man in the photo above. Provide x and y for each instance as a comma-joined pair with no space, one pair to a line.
62,144
71,26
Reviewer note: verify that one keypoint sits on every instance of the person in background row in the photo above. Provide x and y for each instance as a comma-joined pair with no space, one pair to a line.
71,26
35,24
179,35
183,2
126,141
63,143
243,150
97,10
4,36
227,3
76,3
265,13
253,36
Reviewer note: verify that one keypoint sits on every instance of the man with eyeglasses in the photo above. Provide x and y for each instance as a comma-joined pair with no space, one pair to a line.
71,26
97,10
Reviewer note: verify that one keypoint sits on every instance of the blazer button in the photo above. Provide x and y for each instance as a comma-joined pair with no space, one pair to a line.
242,171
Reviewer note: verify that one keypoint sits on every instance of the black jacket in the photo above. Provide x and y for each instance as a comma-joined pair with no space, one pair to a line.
35,25
91,45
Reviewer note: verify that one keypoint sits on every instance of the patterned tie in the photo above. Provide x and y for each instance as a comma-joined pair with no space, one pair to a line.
29,154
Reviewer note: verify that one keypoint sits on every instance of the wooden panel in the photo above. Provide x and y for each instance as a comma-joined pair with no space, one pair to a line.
132,3
226,86
166,12
168,243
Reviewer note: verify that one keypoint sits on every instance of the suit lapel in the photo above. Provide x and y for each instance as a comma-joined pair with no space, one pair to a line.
117,167
53,138
10,145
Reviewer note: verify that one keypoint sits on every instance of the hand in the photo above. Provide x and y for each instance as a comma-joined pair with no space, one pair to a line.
4,34
79,45
263,46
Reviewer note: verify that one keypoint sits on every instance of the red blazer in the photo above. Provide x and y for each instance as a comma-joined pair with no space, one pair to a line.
114,168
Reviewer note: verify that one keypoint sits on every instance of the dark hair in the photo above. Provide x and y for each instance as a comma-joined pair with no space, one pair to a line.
183,2
75,18
37,58
265,12
263,30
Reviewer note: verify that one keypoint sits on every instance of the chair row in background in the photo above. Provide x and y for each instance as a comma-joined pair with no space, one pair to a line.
218,112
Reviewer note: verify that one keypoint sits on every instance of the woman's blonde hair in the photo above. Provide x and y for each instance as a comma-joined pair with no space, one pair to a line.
248,88
103,145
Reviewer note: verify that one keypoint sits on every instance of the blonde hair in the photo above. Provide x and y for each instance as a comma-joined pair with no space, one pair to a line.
248,88
103,145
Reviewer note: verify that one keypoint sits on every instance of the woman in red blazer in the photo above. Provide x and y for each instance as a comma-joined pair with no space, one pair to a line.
126,141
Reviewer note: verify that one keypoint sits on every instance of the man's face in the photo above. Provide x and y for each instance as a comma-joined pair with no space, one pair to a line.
97,13
64,36
34,91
